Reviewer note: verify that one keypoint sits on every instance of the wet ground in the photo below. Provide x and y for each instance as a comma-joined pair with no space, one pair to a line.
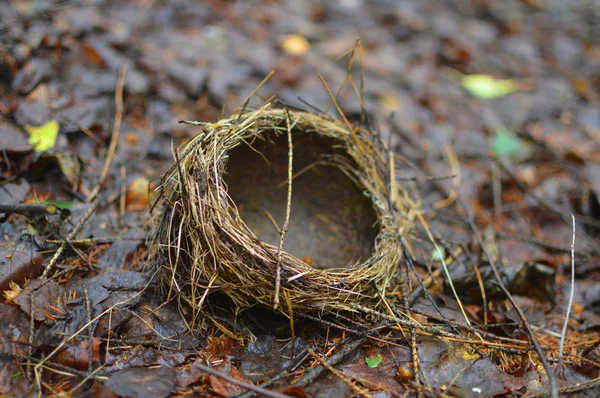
90,97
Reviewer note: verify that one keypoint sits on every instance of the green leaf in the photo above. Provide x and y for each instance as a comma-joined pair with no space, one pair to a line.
43,137
487,87
373,362
506,144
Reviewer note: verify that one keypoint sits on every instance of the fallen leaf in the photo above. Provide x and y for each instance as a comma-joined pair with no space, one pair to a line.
14,291
138,194
373,362
77,355
295,44
222,387
506,144
142,382
488,87
43,137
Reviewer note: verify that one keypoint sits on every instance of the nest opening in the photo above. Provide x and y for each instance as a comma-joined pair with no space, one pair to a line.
332,222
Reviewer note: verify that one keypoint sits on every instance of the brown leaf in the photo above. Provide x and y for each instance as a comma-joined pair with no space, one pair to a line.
223,387
45,295
78,355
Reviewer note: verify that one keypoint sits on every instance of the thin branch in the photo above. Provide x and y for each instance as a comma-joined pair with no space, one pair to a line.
114,139
70,237
29,208
288,208
252,94
564,329
530,334
238,382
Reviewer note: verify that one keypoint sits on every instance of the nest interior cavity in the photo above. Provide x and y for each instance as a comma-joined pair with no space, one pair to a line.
228,201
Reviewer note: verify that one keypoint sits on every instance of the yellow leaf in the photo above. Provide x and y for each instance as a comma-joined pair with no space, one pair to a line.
295,44
484,86
43,137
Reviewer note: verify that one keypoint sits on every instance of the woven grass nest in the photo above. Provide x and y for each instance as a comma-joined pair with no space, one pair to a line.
233,223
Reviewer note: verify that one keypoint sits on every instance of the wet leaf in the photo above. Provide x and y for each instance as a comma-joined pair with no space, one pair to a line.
20,262
142,382
14,333
295,44
43,137
77,355
12,139
45,296
488,87
222,387
506,144
14,192
373,362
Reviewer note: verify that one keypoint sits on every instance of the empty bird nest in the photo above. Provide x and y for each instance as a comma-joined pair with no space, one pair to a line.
283,208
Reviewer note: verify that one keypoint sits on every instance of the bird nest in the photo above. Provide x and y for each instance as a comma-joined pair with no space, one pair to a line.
282,208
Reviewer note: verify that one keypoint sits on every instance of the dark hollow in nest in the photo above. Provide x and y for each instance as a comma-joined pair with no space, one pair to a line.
226,197
332,223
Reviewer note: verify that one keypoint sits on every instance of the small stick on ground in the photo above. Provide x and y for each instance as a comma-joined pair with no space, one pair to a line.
88,310
563,334
348,348
29,208
279,376
530,334
241,383
341,375
71,236
114,139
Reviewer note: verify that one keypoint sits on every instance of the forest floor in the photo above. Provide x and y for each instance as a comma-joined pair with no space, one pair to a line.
491,108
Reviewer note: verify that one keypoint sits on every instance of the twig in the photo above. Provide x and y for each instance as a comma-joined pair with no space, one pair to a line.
341,375
88,310
29,208
586,385
72,235
114,139
252,94
344,118
445,267
238,382
123,197
564,329
536,344
279,376
80,254
312,374
288,208
31,331
454,165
